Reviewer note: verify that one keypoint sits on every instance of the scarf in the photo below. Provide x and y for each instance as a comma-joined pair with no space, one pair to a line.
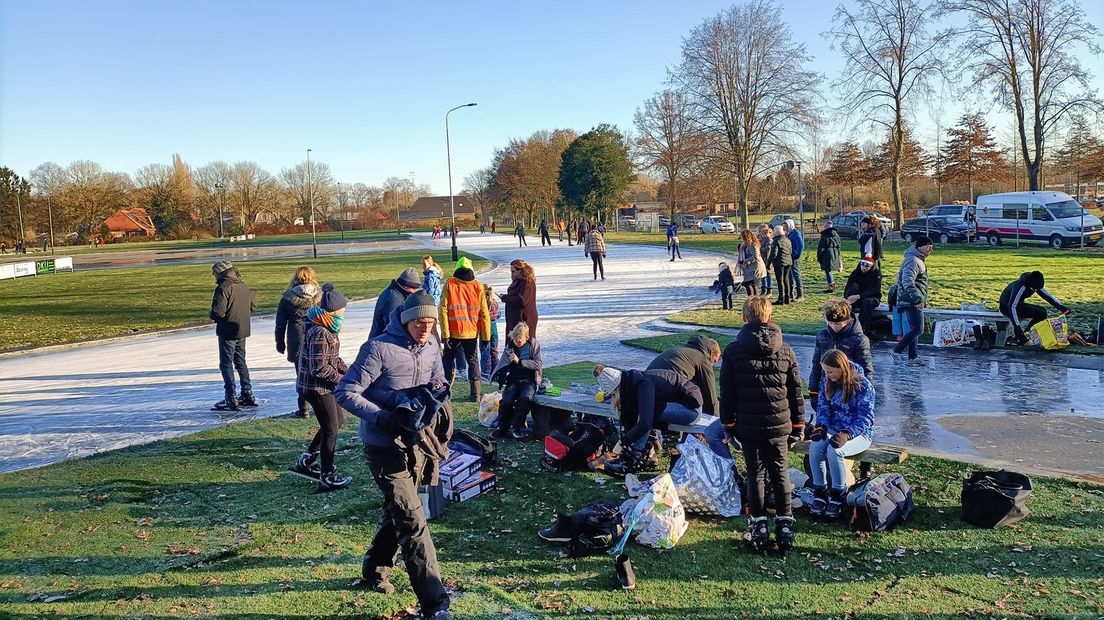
329,320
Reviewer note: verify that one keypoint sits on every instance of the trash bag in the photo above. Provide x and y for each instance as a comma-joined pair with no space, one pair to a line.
950,333
994,498
705,481
488,409
656,511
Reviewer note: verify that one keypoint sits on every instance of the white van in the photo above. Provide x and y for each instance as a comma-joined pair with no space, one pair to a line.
1054,218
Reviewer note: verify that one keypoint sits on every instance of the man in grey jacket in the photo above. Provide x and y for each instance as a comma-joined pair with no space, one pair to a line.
231,307
406,355
912,294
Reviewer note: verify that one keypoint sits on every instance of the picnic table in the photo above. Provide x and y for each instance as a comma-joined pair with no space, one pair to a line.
1002,322
580,403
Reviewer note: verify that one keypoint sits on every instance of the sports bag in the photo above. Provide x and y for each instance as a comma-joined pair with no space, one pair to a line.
574,450
595,528
994,498
468,442
879,503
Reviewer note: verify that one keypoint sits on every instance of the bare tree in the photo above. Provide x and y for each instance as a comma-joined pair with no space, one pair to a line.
252,188
669,143
298,190
479,188
889,58
1026,51
743,73
527,172
210,178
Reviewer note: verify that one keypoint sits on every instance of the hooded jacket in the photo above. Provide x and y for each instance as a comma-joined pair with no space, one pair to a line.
231,306
855,416
851,340
392,297
390,362
912,280
1017,293
760,384
797,243
534,364
646,393
463,308
780,252
828,250
291,317
866,285
432,283
691,362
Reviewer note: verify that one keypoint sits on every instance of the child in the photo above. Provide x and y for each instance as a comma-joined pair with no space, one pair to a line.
727,283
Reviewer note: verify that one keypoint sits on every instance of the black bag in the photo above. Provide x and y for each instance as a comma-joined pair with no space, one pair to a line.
879,503
468,442
572,451
595,528
994,498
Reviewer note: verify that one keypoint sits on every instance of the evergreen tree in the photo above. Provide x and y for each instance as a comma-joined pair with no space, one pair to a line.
970,154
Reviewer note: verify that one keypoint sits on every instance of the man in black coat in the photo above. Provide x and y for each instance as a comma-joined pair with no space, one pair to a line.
864,292
1013,306
762,406
392,297
231,307
694,362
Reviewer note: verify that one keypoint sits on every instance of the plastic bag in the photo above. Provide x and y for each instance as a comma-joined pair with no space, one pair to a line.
980,306
488,409
705,481
950,333
660,520
1050,334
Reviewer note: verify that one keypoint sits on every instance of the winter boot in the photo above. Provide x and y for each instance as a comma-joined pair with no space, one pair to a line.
307,467
835,504
229,403
625,575
758,534
560,531
785,529
820,501
831,288
476,389
246,399
626,463
332,481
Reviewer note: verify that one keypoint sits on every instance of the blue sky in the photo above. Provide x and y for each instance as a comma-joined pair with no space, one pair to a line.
365,85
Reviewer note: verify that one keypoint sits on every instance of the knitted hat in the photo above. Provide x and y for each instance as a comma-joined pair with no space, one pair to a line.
923,240
609,380
221,266
867,260
331,299
410,278
464,263
418,306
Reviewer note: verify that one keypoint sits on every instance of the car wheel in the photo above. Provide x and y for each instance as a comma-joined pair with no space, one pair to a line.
993,239
908,237
944,239
1057,242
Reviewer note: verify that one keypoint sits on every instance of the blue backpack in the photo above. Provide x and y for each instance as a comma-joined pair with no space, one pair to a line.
879,503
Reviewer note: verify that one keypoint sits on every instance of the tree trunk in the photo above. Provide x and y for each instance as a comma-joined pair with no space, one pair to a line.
895,176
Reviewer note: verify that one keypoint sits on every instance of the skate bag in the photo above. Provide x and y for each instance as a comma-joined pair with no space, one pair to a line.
1051,334
595,528
991,499
574,450
468,442
879,503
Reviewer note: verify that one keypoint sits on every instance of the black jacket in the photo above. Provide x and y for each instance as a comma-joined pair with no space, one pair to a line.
851,340
1017,293
392,297
865,285
646,393
760,384
873,238
290,317
691,361
232,305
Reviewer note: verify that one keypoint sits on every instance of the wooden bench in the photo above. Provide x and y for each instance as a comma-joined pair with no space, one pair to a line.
982,316
876,453
584,404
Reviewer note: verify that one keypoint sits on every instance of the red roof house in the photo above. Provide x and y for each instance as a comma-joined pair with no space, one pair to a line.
130,223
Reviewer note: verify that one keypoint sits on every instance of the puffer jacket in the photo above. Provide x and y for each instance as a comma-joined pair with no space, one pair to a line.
760,384
912,280
433,283
291,317
463,308
231,306
392,297
510,370
854,417
828,250
851,340
645,394
780,252
797,243
390,362
864,285
691,361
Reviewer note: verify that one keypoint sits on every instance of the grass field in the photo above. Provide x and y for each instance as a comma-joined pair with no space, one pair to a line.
85,305
209,526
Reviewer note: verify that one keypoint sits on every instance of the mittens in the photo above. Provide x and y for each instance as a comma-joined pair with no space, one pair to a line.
839,439
819,431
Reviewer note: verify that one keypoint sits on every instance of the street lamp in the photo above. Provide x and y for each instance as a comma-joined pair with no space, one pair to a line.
310,200
448,155
800,199
219,187
341,205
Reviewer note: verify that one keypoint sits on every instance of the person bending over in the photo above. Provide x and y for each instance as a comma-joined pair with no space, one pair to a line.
1013,306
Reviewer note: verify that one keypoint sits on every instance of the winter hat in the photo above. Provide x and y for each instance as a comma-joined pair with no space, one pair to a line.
1035,280
923,240
221,266
464,263
867,260
828,224
609,380
418,306
410,278
332,301
789,222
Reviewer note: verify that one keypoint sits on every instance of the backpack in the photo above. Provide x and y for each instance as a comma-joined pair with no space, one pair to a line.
468,442
572,451
995,498
879,503
595,528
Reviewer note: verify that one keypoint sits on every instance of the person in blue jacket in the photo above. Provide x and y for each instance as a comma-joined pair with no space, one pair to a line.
844,427
797,246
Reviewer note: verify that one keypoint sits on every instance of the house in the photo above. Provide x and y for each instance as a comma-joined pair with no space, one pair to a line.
436,208
130,223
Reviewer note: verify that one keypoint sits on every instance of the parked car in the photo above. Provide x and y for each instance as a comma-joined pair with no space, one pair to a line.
1054,218
940,210
626,222
716,224
686,222
943,228
846,225
777,220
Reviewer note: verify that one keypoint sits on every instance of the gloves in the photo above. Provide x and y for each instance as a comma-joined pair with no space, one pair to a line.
280,347
839,439
819,432
796,434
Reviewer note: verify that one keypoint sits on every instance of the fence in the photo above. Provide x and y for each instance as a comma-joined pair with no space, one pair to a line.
11,271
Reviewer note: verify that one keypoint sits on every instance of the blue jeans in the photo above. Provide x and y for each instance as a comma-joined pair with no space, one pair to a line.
829,278
678,414
916,327
488,356
822,453
766,286
231,357
795,274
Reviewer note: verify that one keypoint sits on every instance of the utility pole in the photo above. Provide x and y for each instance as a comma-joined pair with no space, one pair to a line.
448,155
310,200
219,187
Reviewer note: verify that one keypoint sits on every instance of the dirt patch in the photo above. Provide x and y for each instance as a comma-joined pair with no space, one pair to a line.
1060,444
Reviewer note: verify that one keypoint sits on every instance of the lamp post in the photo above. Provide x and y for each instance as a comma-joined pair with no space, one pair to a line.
448,156
341,205
790,165
50,212
310,201
219,187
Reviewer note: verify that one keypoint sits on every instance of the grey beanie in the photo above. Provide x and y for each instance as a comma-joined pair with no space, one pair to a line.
221,266
410,278
418,306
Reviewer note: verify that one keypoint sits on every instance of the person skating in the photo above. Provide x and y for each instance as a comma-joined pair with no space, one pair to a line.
844,427
465,320
673,242
828,255
864,292
392,297
518,374
231,307
694,361
762,407
595,248
405,357
781,260
543,230
319,370
1014,306
797,248
519,232
726,280
842,332
302,294
912,295
751,262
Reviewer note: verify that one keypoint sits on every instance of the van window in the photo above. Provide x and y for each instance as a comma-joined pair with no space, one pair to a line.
1040,214
1015,211
1066,208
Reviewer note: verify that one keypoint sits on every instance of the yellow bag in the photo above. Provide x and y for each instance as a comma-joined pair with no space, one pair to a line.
1051,334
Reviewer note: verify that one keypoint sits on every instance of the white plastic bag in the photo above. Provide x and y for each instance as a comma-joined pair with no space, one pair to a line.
657,511
705,481
488,409
950,333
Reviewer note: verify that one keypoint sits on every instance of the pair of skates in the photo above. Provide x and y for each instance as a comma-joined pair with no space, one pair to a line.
757,536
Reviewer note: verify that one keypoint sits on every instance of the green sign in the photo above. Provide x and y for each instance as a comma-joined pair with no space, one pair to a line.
44,266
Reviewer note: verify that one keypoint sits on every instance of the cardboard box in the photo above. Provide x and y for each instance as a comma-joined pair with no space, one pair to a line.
458,467
433,501
480,483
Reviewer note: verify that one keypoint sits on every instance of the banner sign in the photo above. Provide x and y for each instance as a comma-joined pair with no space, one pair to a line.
7,272
24,269
65,263
45,265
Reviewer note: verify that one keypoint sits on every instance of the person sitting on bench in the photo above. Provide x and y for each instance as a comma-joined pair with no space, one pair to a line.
844,427
649,400
864,292
843,333
518,374
1012,303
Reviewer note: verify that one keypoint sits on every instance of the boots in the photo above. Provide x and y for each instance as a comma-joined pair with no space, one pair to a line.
831,288
785,529
307,467
228,403
246,399
758,534
561,531
835,504
627,462
820,501
476,388
626,578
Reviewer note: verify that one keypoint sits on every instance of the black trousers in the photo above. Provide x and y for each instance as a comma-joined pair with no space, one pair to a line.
596,258
521,241
300,402
1036,313
470,349
784,282
865,307
329,423
545,238
517,401
402,524
767,463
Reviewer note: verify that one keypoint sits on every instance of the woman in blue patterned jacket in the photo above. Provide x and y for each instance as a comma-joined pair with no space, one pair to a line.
844,427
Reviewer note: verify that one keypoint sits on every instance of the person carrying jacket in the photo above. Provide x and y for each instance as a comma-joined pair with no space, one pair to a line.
1013,306
797,248
912,295
406,355
465,321
761,406
518,374
302,294
864,292
231,307
828,255
781,260
392,297
844,333
694,361
595,248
